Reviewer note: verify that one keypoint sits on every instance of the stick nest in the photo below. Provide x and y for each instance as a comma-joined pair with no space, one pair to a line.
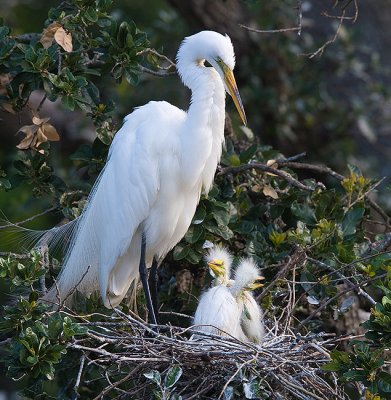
285,366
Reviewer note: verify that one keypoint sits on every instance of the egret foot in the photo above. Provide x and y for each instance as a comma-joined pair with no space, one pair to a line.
144,280
153,285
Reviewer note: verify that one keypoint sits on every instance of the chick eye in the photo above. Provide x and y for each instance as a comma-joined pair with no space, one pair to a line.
207,64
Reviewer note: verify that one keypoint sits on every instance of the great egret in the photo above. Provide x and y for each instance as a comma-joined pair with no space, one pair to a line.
219,261
247,279
218,311
159,163
229,307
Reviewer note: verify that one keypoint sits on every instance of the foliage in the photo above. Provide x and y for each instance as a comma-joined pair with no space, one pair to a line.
310,234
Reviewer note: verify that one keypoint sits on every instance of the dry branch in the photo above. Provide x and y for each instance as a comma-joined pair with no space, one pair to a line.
287,365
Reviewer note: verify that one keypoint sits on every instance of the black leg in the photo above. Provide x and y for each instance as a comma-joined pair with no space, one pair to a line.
153,285
144,281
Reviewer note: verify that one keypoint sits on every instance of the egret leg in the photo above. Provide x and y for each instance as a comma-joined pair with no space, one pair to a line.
144,280
153,285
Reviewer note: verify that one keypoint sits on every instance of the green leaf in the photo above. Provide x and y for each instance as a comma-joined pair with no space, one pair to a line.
304,212
194,233
68,102
251,389
200,215
173,375
384,381
351,219
5,184
154,376
331,366
180,252
247,154
91,14
55,325
352,376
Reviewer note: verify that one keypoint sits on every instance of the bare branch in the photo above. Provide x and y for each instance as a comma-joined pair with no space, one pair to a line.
265,168
338,295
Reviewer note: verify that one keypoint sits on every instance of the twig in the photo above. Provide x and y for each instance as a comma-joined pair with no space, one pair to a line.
162,56
77,284
115,384
328,171
311,167
76,387
14,255
265,168
232,377
338,295
297,258
296,29
342,277
29,219
156,73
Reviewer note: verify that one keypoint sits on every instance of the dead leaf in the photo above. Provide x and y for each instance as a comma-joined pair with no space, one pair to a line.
256,188
50,132
39,121
29,140
47,36
269,191
63,39
37,134
272,163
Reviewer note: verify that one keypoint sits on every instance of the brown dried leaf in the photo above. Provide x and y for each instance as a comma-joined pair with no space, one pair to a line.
272,163
39,121
63,39
37,134
269,191
47,36
28,129
50,132
29,140
256,188
41,138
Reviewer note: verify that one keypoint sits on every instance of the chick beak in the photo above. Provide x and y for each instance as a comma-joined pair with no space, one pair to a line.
217,267
229,80
256,284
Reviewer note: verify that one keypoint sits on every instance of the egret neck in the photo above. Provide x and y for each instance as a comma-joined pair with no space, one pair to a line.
203,133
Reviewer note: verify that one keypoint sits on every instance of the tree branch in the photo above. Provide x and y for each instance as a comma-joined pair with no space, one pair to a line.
265,168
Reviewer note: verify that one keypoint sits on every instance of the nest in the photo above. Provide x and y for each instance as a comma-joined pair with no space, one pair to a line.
285,366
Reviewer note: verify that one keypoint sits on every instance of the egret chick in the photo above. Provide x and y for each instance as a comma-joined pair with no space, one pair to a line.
247,279
217,311
219,261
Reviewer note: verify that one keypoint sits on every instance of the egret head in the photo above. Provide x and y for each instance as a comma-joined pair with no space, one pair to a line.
247,276
218,51
219,261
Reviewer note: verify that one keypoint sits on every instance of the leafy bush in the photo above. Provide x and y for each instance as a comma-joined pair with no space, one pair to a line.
306,225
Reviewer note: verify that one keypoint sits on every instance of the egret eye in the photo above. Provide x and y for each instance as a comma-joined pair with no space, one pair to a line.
207,64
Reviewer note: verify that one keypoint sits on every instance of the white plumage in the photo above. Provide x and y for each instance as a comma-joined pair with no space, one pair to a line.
229,307
218,310
158,164
220,261
251,320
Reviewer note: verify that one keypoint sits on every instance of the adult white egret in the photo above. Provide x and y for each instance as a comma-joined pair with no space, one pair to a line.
229,307
247,279
159,163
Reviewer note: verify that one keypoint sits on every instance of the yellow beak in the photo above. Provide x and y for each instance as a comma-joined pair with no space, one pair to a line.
256,284
217,267
230,82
